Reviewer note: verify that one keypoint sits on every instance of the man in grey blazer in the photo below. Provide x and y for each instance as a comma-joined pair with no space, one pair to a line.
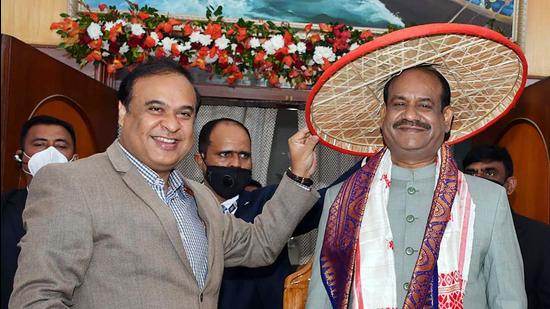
123,229
401,244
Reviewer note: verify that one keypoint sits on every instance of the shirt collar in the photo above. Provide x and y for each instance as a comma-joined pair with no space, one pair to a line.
175,178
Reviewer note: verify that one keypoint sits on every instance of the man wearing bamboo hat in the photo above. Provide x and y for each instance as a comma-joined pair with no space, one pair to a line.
409,229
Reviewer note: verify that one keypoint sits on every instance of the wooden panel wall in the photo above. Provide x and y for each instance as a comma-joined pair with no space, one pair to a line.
29,20
34,83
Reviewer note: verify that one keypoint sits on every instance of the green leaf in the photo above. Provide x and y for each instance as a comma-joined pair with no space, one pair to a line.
64,15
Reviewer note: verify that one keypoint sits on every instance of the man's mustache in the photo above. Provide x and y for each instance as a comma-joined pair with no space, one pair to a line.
412,123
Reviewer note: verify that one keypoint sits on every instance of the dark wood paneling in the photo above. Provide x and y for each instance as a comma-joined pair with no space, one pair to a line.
30,77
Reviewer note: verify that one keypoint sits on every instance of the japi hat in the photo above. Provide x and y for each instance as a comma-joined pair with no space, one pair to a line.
486,73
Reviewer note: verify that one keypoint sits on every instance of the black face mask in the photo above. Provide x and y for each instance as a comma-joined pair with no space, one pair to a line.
227,182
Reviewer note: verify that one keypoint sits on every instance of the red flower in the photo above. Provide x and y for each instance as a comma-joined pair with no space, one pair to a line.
134,41
143,15
214,30
288,60
307,28
239,49
199,63
102,7
273,79
289,39
92,16
174,49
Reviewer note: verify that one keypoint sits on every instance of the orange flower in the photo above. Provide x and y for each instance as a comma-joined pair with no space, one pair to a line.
315,38
159,52
149,42
143,15
199,63
114,32
325,27
92,16
214,30
174,49
288,60
96,44
273,79
223,57
116,65
201,53
307,28
187,29
366,34
95,55
326,64
242,33
293,74
213,51
259,58
289,39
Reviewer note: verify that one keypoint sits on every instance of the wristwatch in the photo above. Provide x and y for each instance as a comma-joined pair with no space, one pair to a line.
301,180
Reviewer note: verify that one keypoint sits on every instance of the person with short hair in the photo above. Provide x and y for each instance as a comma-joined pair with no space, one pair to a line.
225,159
43,140
409,229
494,163
124,229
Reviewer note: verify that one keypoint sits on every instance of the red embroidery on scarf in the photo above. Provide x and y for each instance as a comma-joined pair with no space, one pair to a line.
386,180
390,244
450,291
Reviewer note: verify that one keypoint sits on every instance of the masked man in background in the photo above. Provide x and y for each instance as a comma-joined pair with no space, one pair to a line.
225,159
44,140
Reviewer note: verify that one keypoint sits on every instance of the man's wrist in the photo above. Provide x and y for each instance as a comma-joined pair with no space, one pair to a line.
301,180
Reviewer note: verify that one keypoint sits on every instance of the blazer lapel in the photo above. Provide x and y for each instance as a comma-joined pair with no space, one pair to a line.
135,181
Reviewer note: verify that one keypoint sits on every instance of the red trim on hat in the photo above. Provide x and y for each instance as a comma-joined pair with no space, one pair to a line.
407,34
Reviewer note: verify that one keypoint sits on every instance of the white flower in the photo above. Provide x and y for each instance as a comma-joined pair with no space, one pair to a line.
139,49
109,25
121,21
301,35
353,46
167,45
222,42
177,27
205,40
254,43
185,47
105,45
196,36
211,59
233,47
230,60
323,52
105,54
155,37
272,45
278,41
292,48
94,31
301,47
124,48
137,29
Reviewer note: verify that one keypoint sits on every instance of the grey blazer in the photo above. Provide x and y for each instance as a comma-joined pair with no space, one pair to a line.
496,270
99,237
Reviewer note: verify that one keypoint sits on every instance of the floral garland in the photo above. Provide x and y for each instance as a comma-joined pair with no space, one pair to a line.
280,54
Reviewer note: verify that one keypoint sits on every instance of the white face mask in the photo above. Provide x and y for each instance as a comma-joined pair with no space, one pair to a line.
43,158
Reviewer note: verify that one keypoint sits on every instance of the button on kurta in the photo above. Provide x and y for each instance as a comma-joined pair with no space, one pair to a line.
409,251
410,218
411,190
406,286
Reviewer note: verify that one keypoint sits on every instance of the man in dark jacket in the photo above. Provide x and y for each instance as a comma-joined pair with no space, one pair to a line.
494,163
224,158
44,140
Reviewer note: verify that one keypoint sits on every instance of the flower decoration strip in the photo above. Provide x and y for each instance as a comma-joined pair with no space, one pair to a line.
280,53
